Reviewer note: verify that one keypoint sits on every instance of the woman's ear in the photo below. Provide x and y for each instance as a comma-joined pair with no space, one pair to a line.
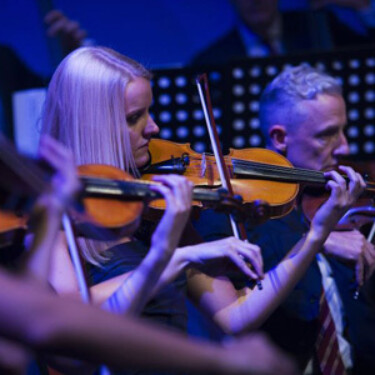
278,134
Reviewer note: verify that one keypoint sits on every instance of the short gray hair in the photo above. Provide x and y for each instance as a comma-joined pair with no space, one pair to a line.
280,99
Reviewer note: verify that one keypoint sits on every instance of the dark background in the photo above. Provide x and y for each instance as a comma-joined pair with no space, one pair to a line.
156,32
166,34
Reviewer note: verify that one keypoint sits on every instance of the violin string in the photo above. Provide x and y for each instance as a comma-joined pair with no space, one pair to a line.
275,173
143,187
294,174
103,181
269,168
277,168
107,183
287,171
306,174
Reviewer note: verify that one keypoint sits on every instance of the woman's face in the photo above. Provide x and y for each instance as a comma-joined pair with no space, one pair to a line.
138,99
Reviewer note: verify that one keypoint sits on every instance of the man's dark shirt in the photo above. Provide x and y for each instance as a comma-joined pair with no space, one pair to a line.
293,326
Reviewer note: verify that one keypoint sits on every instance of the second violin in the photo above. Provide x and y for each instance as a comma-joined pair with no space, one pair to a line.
112,199
258,175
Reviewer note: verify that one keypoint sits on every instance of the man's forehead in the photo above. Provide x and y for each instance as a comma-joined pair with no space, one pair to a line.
324,111
323,105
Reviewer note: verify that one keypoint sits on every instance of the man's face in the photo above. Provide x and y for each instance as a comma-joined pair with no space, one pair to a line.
319,140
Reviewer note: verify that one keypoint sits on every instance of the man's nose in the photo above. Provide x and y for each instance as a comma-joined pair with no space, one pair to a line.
342,147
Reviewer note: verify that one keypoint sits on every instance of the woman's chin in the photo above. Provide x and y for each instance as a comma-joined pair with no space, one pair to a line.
142,161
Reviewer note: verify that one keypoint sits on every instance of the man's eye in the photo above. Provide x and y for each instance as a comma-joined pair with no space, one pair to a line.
330,134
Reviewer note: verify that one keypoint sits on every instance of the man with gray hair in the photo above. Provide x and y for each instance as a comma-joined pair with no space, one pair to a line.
303,116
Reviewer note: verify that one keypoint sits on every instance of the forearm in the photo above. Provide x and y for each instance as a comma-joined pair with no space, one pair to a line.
37,261
132,344
62,326
251,309
177,264
100,293
138,288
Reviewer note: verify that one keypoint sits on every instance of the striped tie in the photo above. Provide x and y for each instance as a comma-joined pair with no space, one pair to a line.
327,349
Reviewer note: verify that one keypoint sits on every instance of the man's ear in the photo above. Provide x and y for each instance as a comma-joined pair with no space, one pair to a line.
278,134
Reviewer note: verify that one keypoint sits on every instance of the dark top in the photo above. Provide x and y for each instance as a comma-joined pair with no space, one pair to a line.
167,307
293,326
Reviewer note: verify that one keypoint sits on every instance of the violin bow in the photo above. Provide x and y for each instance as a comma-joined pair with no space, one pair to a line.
370,237
238,228
76,258
31,174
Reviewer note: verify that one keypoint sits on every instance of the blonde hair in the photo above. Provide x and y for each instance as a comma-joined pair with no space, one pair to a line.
85,110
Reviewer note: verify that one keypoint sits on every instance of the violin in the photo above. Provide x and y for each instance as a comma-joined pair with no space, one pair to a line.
113,198
361,214
110,203
357,217
360,217
258,175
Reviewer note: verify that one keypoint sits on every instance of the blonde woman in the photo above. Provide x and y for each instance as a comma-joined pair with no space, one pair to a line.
55,326
98,106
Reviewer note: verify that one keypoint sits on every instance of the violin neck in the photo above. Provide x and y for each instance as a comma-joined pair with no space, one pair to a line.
117,189
271,172
264,171
135,190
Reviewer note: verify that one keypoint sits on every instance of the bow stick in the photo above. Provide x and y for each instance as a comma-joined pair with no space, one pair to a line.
238,228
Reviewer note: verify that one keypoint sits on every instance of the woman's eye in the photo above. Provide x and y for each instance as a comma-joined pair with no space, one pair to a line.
131,120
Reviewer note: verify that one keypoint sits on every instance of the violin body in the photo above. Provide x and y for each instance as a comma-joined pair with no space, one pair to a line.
102,218
110,206
106,217
202,170
361,214
12,228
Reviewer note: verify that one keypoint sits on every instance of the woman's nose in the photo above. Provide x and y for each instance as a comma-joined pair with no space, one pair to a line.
151,128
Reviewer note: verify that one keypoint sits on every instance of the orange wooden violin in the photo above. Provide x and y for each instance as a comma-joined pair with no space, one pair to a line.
256,174
112,200
361,214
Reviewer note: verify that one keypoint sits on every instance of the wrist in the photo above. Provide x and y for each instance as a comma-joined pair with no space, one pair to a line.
46,211
181,258
53,202
161,244
316,237
159,254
